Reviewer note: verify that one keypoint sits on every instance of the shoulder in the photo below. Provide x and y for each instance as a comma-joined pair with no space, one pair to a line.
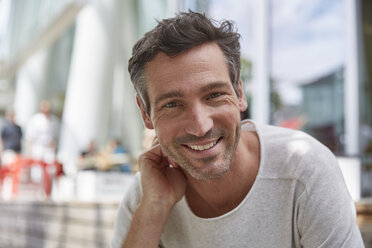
125,212
132,196
7,128
4,126
127,207
295,154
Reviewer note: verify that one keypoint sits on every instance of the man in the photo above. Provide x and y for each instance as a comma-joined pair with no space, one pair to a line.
11,138
41,134
209,179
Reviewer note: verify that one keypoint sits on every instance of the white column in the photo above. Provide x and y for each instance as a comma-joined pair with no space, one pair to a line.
31,86
126,116
260,69
88,97
351,85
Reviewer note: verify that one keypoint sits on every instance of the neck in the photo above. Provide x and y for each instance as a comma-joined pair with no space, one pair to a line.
211,198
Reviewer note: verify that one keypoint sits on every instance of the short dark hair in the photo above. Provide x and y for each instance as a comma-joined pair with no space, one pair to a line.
175,35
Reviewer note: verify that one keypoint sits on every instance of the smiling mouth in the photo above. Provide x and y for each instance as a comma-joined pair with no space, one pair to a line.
203,147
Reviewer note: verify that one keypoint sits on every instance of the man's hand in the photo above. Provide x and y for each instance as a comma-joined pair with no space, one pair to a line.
162,187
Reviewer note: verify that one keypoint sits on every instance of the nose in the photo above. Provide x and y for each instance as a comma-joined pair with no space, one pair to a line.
199,120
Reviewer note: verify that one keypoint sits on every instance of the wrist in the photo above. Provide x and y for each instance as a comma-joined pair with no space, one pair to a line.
147,224
156,206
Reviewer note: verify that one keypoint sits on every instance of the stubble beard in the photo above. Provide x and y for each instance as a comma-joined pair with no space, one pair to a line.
207,171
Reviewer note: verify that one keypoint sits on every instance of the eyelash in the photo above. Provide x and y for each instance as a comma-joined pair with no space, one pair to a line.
215,95
175,104
171,105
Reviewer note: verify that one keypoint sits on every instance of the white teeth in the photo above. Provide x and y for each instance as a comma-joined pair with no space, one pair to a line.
204,147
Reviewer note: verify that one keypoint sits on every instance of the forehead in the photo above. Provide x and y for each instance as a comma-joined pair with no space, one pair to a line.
196,67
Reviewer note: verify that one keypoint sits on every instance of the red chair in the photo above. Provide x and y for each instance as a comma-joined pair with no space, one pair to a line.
14,170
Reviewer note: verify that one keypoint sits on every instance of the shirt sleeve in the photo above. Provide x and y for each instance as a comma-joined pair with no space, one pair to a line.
125,213
327,215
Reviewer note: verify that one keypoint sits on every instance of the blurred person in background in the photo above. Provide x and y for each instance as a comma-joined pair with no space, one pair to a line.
41,134
112,156
120,158
87,159
41,137
11,138
210,179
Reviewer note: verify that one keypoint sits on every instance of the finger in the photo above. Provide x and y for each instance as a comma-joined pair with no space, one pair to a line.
156,148
156,144
154,157
173,164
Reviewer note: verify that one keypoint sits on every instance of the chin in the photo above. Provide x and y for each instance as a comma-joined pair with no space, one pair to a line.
208,173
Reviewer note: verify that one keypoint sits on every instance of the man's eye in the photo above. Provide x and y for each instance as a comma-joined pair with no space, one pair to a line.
215,95
171,105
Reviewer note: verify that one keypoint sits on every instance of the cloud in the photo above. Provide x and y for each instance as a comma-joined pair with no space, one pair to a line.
308,39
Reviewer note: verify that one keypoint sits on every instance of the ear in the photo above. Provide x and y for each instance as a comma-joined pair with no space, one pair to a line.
242,99
145,117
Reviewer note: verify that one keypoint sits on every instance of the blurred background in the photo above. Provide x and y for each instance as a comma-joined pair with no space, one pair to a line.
306,65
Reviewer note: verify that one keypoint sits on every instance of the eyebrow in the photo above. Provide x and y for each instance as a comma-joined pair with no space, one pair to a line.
214,85
172,94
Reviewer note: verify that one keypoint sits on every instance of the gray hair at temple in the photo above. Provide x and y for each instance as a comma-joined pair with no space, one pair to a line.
175,35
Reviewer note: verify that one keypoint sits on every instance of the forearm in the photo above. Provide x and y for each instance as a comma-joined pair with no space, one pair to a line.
147,225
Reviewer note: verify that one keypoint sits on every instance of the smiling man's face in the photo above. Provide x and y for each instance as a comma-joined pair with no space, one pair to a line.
195,110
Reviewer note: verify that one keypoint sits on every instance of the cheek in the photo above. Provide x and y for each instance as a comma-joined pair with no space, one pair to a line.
229,111
161,122
229,105
232,101
156,120
165,117
164,128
